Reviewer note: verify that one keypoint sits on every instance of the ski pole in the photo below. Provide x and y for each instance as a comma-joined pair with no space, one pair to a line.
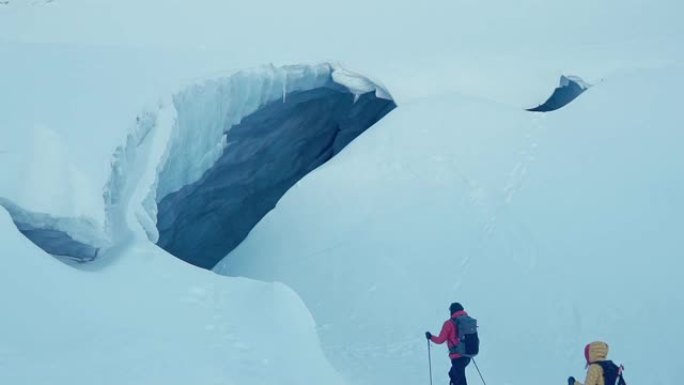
479,372
429,361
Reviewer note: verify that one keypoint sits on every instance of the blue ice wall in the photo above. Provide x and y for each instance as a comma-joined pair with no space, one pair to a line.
60,244
48,232
268,152
568,91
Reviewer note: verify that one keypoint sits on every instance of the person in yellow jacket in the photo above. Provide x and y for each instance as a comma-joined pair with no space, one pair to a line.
599,368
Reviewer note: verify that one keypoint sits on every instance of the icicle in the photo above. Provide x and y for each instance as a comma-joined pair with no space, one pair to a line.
284,87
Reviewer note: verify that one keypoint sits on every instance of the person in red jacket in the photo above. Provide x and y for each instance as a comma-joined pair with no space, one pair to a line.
449,334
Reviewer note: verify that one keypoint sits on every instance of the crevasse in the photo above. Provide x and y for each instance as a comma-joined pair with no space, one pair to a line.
240,143
202,167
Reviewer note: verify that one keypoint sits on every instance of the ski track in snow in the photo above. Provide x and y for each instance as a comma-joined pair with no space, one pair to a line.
527,252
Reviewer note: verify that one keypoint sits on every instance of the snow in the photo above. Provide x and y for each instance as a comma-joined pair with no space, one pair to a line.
358,84
212,108
553,230
567,80
240,142
172,323
129,194
147,320
172,146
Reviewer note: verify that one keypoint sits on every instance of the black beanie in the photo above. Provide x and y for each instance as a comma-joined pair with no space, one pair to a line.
455,307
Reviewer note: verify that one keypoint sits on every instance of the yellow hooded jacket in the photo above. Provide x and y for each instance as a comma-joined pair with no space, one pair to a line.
595,351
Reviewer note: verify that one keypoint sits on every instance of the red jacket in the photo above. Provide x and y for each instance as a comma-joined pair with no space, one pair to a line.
449,334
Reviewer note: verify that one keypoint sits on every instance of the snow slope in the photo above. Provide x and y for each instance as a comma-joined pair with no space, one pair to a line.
552,229
147,319
138,315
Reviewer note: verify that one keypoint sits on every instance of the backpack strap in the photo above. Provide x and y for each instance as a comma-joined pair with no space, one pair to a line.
457,348
620,380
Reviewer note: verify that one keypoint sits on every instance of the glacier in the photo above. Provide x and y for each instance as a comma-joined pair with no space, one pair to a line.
552,228
206,164
146,320
239,145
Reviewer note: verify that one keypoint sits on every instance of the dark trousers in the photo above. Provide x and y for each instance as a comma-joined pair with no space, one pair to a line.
457,372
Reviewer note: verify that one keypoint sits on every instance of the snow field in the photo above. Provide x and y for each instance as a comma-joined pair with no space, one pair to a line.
553,230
